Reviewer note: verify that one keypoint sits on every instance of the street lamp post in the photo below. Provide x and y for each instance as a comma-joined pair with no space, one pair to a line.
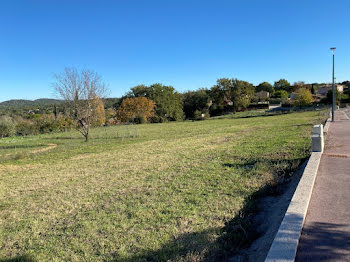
333,87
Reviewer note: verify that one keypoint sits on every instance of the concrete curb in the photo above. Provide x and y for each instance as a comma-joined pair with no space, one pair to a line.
285,244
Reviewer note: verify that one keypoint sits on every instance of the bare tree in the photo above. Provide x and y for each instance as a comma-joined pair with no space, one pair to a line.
80,90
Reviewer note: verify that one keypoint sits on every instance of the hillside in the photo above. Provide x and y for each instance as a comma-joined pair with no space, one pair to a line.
23,103
45,102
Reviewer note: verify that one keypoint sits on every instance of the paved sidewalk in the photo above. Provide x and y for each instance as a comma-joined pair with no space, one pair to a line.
326,232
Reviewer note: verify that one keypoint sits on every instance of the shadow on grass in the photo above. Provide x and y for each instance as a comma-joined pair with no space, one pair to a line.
265,115
214,244
22,258
218,244
21,146
237,234
233,116
309,125
63,138
282,168
190,246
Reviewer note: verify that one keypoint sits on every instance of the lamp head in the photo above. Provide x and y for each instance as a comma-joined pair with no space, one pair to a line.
332,48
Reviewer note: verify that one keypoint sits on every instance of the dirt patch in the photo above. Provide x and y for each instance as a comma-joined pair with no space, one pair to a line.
268,220
49,147
82,156
11,168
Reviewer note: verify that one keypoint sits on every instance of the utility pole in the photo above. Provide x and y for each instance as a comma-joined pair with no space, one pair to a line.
333,87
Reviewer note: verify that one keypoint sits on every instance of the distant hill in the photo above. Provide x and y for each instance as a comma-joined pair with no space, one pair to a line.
45,104
22,103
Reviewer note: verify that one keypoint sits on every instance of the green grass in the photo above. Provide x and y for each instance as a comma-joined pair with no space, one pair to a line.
141,193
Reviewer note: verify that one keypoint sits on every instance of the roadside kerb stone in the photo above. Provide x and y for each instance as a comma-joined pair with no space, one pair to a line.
286,241
317,139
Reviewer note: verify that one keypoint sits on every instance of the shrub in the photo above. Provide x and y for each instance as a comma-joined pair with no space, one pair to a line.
65,123
200,115
158,119
345,98
25,127
275,101
281,94
7,127
302,97
110,117
46,124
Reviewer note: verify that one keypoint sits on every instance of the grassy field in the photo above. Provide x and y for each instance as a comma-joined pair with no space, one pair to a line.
152,192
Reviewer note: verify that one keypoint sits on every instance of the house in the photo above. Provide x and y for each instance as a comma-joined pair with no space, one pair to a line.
262,95
323,90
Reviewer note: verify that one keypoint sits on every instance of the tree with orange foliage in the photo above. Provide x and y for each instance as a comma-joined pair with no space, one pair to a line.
137,109
99,116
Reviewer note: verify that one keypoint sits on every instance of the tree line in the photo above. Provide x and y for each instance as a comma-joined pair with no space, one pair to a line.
84,103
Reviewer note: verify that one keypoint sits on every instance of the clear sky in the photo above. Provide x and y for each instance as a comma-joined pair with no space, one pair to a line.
186,44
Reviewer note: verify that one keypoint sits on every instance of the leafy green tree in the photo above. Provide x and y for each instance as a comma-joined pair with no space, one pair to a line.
302,97
168,102
337,97
265,86
218,94
281,94
139,91
242,93
282,84
231,94
196,101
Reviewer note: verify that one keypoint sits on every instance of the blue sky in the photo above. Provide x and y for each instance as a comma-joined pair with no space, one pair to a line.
186,44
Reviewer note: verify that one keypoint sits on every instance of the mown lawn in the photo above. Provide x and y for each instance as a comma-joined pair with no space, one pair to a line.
153,192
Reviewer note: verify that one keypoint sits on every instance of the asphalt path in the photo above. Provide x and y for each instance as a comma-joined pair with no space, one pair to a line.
326,231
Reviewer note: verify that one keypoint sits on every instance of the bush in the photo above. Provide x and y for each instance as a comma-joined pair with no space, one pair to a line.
7,127
140,120
287,104
281,94
46,124
302,97
25,127
158,119
65,123
345,98
199,115
275,101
